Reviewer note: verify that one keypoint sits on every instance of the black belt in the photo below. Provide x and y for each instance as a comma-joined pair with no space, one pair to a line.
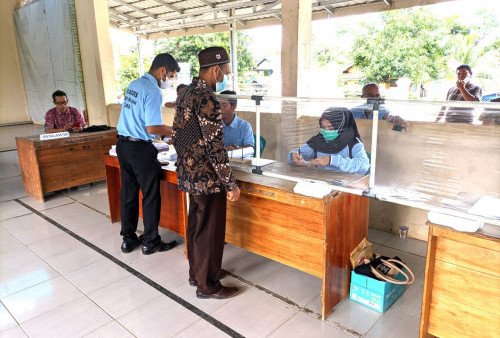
131,139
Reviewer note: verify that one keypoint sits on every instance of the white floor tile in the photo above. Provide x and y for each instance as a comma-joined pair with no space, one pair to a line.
161,317
315,305
96,197
51,201
12,209
124,296
395,324
8,242
40,298
410,245
6,320
17,258
379,236
202,329
254,314
73,319
30,228
9,164
410,301
11,188
74,216
253,267
55,245
24,277
231,252
354,316
298,286
110,330
71,260
303,325
15,332
97,275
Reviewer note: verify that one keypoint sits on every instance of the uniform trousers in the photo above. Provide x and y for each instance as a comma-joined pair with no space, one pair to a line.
140,169
205,235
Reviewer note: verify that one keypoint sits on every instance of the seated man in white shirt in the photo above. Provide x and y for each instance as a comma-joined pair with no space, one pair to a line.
238,133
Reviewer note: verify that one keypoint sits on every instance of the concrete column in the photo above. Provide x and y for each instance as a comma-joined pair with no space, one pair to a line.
139,55
97,57
13,101
234,56
295,47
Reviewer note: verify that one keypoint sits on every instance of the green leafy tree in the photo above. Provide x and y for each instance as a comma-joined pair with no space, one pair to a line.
406,43
186,49
129,69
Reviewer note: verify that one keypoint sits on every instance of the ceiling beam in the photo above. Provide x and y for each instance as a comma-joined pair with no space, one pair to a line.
136,9
208,3
172,7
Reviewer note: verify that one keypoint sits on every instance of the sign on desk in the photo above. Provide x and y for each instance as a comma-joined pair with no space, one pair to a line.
52,136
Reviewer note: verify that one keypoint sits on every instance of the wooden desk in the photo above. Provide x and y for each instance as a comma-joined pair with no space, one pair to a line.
462,284
310,234
62,163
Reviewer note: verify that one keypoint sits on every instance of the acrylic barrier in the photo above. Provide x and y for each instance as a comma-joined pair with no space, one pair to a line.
435,156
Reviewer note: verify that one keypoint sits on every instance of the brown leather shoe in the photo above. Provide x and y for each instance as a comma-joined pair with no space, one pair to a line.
223,273
223,293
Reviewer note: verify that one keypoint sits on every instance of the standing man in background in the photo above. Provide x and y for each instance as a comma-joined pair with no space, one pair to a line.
203,171
140,118
464,91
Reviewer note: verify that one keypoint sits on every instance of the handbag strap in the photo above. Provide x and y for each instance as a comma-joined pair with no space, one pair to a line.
408,279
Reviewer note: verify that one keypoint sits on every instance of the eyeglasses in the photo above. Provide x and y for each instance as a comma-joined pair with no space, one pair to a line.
57,103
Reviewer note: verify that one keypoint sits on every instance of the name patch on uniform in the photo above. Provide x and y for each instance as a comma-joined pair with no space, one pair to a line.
128,101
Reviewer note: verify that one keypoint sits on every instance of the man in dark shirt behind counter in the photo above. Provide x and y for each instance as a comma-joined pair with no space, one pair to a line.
140,118
203,171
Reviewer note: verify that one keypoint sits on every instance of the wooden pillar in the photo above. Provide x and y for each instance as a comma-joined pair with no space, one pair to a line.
295,47
97,57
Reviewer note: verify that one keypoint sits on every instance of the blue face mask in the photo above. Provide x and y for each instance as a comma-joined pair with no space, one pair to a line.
220,86
329,135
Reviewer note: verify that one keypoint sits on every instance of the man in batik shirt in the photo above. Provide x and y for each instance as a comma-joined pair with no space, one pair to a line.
203,171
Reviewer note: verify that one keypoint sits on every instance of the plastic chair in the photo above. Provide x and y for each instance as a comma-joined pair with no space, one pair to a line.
262,143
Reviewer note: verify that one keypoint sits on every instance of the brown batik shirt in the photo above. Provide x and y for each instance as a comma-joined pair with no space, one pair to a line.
202,161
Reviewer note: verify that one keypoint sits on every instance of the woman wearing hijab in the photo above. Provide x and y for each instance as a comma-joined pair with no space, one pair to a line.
337,147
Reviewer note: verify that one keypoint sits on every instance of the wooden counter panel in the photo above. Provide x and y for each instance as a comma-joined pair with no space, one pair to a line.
469,256
30,171
451,280
346,220
173,215
449,318
270,231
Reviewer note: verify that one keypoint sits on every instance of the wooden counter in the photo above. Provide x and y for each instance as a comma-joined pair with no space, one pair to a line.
462,284
57,164
310,234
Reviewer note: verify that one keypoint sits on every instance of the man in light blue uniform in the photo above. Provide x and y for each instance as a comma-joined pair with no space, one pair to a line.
237,132
140,119
365,111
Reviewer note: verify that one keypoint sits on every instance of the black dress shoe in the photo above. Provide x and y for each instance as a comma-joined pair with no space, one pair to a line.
223,273
223,293
129,247
159,247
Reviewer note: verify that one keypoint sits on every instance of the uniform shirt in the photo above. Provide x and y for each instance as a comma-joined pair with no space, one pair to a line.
358,164
202,161
457,114
54,119
141,108
238,133
359,112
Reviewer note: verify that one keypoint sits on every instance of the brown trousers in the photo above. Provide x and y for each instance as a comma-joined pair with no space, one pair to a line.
205,239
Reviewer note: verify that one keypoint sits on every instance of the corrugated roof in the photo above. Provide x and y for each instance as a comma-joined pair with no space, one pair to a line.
162,18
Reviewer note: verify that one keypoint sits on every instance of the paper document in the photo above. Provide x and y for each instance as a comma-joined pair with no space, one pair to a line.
261,162
487,206
240,153
457,223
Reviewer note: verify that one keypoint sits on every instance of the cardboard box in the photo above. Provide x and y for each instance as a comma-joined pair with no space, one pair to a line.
373,293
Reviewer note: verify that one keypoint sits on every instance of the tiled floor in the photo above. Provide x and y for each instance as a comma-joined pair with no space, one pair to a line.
53,285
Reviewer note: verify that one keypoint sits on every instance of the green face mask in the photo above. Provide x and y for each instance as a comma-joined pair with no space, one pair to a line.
329,135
